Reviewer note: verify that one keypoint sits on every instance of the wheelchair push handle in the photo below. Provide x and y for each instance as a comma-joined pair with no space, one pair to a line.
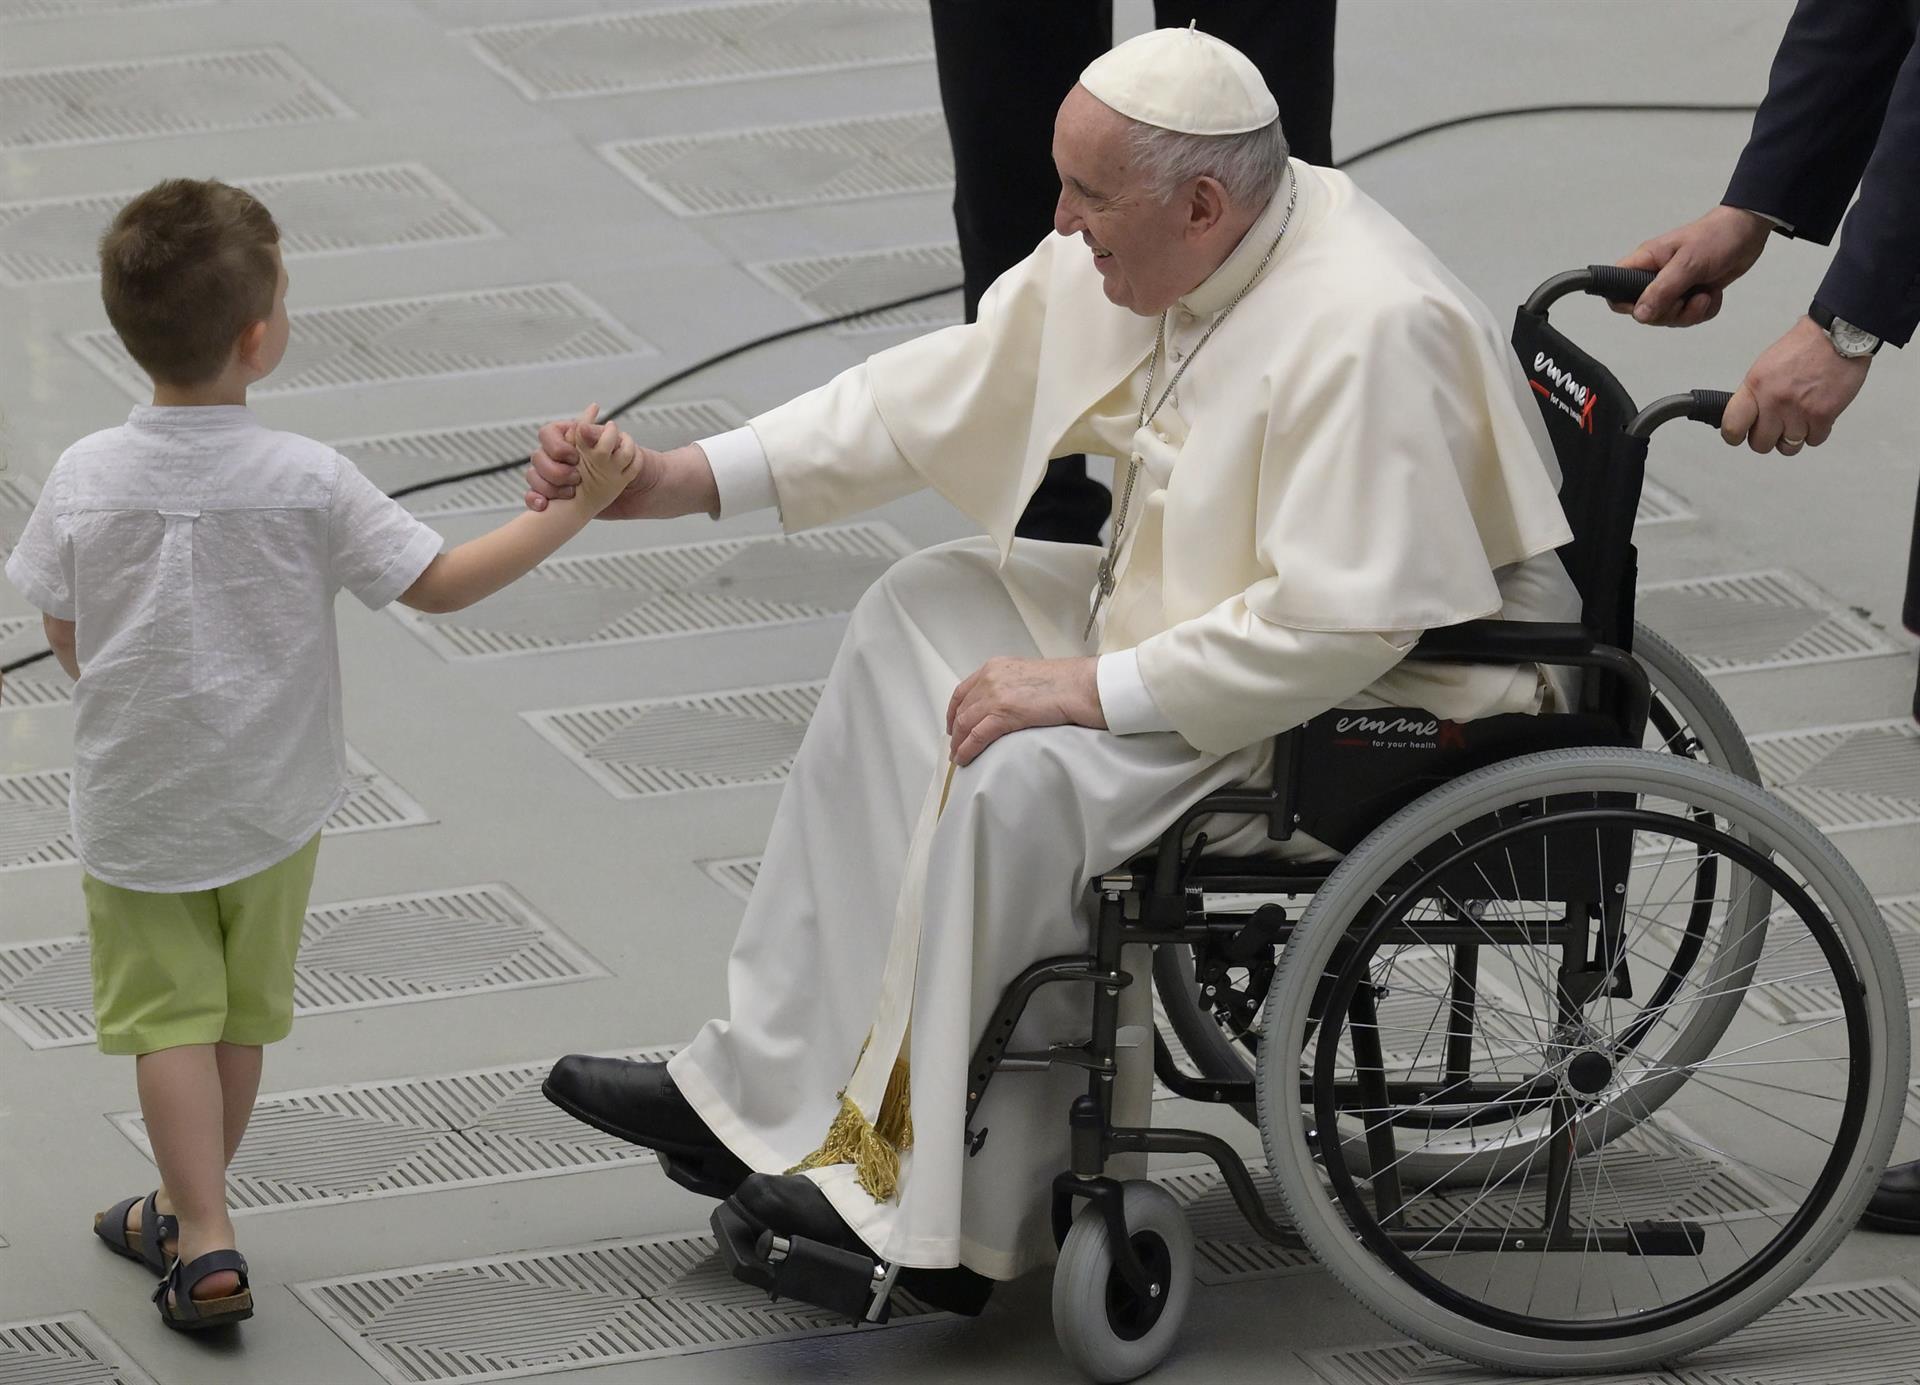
1702,406
1608,281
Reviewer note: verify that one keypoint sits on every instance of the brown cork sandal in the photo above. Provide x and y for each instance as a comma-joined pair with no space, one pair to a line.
181,1311
156,1229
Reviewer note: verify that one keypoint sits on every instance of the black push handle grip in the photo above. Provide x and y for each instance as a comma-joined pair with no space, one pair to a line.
1709,406
1702,406
1617,285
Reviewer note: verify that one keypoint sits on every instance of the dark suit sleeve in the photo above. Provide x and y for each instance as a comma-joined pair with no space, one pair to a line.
1826,98
1874,280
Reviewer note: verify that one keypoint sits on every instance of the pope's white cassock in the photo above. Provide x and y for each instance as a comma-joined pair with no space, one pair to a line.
1352,460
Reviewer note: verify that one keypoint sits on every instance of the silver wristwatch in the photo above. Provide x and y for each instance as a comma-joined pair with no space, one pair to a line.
1850,341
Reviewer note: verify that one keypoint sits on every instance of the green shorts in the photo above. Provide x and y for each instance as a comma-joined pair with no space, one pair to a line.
209,966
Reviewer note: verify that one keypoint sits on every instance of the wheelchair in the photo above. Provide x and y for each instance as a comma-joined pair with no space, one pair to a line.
1587,1050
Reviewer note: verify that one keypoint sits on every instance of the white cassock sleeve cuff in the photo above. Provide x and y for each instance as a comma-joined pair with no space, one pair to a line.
1124,699
740,472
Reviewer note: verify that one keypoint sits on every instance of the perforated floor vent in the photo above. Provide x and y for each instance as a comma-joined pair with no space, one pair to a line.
35,829
196,93
333,212
425,338
594,1305
734,874
791,165
1866,774
829,285
392,460
69,1349
652,593
16,504
1658,505
411,1135
1229,1250
1756,620
1864,1334
44,684
1793,987
672,744
354,955
605,54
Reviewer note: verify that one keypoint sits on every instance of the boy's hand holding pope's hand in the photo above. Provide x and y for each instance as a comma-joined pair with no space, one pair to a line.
659,485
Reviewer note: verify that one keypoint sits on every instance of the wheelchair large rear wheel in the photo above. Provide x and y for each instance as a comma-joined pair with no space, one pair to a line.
1663,1203
1687,718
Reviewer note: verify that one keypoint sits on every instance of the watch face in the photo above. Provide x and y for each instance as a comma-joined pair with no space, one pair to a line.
1849,340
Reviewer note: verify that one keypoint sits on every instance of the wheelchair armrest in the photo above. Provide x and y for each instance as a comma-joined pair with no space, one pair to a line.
1504,642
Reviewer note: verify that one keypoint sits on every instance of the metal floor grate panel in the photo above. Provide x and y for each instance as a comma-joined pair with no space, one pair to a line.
1659,505
392,460
607,54
332,212
581,1306
1756,620
1228,1249
354,955
1787,994
1865,774
36,830
16,503
1864,1334
368,1140
426,338
68,1349
734,874
829,285
44,684
790,165
196,93
85,9
654,593
743,736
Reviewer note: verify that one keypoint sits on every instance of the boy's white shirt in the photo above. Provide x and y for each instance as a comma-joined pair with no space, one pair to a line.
198,554
1358,460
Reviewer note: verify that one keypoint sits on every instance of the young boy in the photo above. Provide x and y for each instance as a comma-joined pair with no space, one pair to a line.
187,563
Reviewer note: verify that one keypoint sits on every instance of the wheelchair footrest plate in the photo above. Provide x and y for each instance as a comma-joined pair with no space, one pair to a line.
1665,1238
846,1282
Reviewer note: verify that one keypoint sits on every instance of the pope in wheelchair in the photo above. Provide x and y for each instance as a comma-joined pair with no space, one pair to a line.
1530,944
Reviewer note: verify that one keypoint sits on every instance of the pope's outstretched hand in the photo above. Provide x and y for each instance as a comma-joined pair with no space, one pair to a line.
606,465
553,471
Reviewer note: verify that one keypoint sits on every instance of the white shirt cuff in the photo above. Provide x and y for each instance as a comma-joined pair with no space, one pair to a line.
1124,699
740,472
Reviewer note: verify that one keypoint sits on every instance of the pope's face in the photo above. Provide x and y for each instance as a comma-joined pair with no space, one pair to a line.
1144,246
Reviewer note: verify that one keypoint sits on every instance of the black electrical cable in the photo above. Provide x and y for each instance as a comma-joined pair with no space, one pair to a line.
1420,132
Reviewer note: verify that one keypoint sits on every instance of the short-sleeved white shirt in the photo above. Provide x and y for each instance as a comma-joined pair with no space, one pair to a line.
198,554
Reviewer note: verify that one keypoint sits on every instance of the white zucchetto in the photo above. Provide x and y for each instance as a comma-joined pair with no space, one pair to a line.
1184,80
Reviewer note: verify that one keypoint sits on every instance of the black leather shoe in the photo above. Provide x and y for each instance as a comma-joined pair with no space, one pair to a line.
1895,1205
791,1206
638,1103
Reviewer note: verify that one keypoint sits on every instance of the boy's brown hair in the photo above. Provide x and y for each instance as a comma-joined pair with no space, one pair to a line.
185,268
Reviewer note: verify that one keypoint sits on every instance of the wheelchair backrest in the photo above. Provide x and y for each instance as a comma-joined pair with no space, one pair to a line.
1601,470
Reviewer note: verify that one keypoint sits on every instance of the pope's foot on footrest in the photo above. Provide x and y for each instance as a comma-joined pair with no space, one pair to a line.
781,1234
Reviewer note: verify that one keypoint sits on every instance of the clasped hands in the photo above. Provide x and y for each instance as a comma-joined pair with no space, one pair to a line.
1797,388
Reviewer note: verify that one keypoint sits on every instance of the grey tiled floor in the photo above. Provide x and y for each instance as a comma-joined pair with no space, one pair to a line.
496,209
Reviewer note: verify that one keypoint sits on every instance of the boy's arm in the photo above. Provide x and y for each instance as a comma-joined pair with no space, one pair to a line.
60,636
480,567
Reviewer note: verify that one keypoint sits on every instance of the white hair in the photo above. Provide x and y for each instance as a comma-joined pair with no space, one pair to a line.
1249,166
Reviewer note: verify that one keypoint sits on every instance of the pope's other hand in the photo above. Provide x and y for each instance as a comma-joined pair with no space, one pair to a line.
1007,695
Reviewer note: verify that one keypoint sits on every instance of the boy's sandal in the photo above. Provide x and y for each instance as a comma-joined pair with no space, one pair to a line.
180,1310
156,1228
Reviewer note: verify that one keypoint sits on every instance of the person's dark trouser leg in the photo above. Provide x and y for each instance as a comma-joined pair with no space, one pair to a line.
1005,66
1291,42
1910,610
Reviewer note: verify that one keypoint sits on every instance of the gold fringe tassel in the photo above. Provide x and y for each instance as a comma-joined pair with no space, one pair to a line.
872,1147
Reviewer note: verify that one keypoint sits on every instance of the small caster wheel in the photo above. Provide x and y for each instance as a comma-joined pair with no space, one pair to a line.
1103,1327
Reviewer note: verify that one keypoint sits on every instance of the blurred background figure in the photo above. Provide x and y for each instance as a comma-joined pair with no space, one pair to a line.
1006,65
1842,112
